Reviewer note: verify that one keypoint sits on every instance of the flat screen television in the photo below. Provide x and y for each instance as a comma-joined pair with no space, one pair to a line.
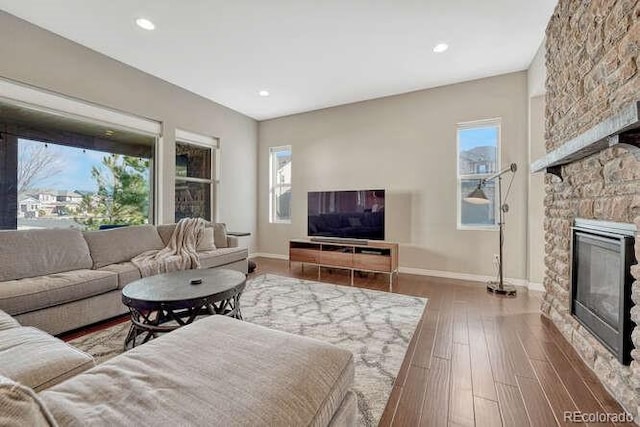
353,214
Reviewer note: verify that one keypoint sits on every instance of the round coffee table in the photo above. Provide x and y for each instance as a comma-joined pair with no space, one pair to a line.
168,301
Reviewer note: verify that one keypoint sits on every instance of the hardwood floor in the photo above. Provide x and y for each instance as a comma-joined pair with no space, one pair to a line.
477,359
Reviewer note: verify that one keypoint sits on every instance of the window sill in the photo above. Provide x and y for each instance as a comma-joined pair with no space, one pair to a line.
478,227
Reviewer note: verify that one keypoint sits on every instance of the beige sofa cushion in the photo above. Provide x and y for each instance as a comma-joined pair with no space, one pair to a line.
121,244
220,235
347,413
208,243
31,253
20,406
127,272
218,257
35,293
166,231
39,360
7,322
242,374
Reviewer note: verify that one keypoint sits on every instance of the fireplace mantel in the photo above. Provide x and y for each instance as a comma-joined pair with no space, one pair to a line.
622,129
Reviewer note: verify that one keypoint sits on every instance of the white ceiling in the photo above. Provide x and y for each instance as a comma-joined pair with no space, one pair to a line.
308,54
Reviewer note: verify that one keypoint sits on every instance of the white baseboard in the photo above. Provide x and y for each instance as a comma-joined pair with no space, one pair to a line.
470,277
268,255
433,273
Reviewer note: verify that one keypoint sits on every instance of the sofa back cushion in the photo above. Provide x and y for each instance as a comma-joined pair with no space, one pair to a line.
31,253
208,241
121,244
166,231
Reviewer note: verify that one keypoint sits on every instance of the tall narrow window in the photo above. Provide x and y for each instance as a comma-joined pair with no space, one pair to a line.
478,158
195,183
280,184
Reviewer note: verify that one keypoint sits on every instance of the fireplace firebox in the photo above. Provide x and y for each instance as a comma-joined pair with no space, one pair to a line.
602,256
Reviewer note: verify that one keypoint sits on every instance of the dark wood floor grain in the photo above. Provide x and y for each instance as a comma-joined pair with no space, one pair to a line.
475,358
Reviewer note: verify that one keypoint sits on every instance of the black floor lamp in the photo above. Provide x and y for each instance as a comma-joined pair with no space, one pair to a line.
478,197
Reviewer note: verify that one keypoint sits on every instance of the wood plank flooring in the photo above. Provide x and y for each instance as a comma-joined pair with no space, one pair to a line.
477,359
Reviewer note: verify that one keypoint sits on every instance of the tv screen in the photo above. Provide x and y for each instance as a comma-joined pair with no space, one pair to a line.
356,214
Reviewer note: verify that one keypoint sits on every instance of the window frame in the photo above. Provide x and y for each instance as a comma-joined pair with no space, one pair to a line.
485,123
14,132
213,144
273,219
65,106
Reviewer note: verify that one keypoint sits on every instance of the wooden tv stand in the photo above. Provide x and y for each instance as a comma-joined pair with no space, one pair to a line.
372,256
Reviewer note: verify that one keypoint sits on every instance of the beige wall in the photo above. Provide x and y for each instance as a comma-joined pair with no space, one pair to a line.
537,72
535,246
407,145
536,76
37,57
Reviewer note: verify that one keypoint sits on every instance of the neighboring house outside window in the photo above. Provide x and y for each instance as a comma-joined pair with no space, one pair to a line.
280,184
478,158
58,184
62,186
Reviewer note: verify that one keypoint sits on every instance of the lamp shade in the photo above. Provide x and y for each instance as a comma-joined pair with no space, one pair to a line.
477,197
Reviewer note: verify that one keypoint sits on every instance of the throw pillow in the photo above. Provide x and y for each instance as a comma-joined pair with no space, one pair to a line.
220,235
21,406
207,242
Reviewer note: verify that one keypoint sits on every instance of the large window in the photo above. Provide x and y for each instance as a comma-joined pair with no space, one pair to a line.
478,158
62,170
63,186
280,184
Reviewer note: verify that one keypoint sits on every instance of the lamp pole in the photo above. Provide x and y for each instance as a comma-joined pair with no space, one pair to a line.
500,287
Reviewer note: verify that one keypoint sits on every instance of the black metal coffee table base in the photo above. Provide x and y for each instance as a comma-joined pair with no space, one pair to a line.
149,323
155,311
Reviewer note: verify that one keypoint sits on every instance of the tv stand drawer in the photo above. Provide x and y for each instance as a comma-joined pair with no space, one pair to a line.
339,259
303,255
372,262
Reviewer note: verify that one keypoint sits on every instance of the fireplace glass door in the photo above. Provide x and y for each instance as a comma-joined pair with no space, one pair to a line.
598,269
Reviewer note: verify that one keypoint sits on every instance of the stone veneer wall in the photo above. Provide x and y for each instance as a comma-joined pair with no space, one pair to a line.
593,54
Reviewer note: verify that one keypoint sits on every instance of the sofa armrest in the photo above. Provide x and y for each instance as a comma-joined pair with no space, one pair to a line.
233,241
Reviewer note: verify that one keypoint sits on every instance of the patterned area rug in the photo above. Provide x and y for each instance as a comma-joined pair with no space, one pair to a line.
375,326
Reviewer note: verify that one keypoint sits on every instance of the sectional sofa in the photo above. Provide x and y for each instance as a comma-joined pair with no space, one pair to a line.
58,280
215,371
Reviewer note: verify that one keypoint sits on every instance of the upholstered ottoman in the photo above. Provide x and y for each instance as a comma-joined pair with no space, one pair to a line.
35,358
216,371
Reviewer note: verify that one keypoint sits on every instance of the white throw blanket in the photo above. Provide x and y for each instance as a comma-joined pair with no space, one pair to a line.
180,253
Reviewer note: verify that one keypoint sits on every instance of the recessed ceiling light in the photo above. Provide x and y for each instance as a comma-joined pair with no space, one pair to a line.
440,47
145,23
264,93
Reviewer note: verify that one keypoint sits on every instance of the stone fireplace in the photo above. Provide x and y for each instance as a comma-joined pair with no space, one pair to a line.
592,89
602,254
